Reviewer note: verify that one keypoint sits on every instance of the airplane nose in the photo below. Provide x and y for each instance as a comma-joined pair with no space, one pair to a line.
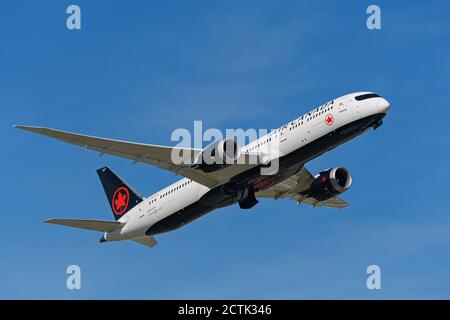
384,105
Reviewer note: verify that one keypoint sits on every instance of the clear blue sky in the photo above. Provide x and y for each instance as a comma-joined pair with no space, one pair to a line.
138,70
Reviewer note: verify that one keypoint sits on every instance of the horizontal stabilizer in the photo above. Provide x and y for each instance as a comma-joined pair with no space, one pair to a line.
95,225
148,241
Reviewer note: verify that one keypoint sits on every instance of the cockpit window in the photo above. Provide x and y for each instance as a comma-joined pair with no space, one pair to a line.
366,96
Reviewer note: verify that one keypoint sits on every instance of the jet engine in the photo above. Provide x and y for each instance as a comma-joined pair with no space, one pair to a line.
330,183
217,155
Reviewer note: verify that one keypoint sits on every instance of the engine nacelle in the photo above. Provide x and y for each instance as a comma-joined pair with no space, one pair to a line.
217,155
330,183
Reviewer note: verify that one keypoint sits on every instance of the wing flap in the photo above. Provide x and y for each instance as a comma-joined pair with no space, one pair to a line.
94,225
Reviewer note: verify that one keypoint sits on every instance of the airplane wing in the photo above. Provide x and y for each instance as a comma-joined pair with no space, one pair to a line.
148,241
160,156
95,225
292,187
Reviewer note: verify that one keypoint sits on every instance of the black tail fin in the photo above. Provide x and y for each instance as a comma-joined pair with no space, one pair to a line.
121,197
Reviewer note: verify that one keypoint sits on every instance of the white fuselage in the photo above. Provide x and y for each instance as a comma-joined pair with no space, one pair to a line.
290,137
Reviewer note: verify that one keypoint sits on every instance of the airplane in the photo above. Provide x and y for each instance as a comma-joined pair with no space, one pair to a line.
209,185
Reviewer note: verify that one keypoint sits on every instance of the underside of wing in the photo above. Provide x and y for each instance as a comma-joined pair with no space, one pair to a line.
159,156
334,202
293,185
148,241
295,188
94,225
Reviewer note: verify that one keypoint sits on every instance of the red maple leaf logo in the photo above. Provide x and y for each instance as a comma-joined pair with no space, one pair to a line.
120,200
329,119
